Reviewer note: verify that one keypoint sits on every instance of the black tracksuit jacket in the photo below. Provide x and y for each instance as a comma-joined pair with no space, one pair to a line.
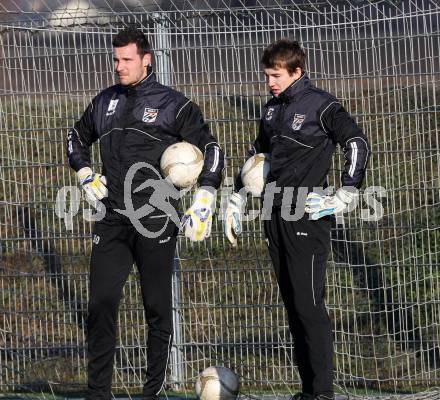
136,124
300,129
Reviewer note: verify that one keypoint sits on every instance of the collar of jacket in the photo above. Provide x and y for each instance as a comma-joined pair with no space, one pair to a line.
143,84
297,86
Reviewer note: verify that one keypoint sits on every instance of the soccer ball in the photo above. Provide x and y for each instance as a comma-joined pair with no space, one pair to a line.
217,383
181,163
254,173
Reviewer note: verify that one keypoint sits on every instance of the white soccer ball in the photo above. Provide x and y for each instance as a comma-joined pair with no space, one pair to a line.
181,164
254,173
217,383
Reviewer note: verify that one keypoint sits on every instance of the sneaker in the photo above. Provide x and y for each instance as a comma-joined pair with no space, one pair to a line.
324,397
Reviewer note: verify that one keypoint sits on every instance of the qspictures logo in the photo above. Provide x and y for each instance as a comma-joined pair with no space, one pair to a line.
69,200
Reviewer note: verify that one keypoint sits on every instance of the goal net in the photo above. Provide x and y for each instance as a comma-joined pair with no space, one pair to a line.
380,58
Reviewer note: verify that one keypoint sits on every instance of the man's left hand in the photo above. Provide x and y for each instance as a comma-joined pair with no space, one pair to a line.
197,220
319,206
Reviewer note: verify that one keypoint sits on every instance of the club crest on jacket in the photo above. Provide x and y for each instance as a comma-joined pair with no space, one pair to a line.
298,120
112,107
150,114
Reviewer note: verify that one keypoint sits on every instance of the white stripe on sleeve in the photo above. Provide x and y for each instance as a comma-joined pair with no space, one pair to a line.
353,158
216,159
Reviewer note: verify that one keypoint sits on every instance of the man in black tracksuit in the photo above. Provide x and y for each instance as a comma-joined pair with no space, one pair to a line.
135,121
300,127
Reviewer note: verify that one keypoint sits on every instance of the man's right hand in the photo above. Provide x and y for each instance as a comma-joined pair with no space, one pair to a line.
233,217
93,184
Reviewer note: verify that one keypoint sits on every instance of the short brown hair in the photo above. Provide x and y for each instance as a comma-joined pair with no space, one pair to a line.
284,53
132,35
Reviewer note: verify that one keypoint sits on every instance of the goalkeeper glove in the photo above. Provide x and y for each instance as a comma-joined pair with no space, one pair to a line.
319,206
197,220
233,217
93,184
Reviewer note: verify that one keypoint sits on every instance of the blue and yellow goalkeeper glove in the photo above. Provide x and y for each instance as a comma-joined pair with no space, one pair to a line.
319,206
197,220
93,184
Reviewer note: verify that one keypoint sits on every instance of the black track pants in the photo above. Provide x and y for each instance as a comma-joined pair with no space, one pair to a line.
299,251
115,248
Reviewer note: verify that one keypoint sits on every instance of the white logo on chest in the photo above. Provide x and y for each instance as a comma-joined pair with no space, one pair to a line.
298,120
269,113
150,115
112,107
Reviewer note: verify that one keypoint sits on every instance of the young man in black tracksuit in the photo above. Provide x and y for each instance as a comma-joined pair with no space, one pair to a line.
300,127
135,121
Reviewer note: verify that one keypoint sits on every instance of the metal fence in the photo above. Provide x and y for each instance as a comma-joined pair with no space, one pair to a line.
380,58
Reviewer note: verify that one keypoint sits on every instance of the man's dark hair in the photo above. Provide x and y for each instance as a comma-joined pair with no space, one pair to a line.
132,35
284,53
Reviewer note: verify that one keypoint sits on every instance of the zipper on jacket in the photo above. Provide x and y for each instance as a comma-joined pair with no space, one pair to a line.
130,99
280,119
